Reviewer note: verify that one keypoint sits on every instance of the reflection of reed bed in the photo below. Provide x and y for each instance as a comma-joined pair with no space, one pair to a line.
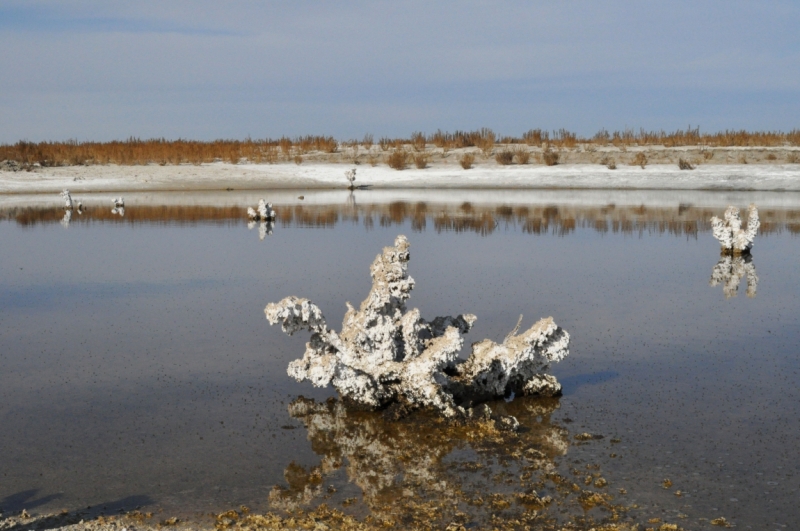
684,220
189,215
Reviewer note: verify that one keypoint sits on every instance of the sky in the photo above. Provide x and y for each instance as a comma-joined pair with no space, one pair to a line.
105,69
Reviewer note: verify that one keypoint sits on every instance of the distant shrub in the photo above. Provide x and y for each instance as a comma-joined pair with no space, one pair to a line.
467,160
367,141
772,156
421,161
418,141
397,159
639,160
298,159
504,157
523,155
536,137
792,158
609,163
685,164
484,140
550,157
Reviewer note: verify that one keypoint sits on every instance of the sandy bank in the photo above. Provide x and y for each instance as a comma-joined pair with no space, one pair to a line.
222,176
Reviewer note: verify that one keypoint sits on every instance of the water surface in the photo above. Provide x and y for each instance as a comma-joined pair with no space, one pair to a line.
139,371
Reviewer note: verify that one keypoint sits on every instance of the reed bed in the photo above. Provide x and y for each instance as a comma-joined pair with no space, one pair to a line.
135,151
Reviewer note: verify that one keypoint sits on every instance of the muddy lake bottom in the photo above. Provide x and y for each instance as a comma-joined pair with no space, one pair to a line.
139,372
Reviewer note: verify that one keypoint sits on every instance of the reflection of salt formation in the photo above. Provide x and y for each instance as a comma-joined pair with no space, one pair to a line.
264,228
729,231
66,219
729,272
119,206
264,212
397,464
386,355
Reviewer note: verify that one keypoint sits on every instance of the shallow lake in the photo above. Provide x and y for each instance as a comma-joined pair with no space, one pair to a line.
137,369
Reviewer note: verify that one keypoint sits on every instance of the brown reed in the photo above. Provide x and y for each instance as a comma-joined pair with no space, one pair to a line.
135,151
397,159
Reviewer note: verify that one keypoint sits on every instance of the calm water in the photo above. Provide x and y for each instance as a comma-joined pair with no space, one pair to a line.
138,369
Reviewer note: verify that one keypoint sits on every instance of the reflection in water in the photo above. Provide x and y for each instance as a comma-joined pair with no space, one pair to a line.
426,471
264,228
729,272
484,219
66,219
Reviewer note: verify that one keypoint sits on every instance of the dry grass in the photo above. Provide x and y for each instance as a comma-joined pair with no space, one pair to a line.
640,159
160,151
792,158
522,155
467,160
685,164
609,163
550,157
484,141
135,151
397,159
367,141
504,157
418,141
421,160
536,137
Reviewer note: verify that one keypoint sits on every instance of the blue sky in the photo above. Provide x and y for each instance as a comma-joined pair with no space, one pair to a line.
106,70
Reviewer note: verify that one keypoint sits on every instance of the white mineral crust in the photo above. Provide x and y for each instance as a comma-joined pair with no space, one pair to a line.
67,199
386,354
729,232
263,213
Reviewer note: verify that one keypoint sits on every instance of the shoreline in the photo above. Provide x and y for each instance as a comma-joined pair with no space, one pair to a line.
487,175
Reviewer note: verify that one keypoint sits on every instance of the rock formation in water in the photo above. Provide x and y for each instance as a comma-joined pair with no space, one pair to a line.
351,176
68,206
388,356
67,199
729,232
263,213
729,272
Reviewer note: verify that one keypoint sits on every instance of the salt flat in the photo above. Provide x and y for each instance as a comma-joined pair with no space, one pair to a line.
221,176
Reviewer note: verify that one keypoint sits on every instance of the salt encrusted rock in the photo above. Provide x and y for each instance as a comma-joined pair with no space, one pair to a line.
387,355
67,199
10,165
263,213
351,176
729,272
729,232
